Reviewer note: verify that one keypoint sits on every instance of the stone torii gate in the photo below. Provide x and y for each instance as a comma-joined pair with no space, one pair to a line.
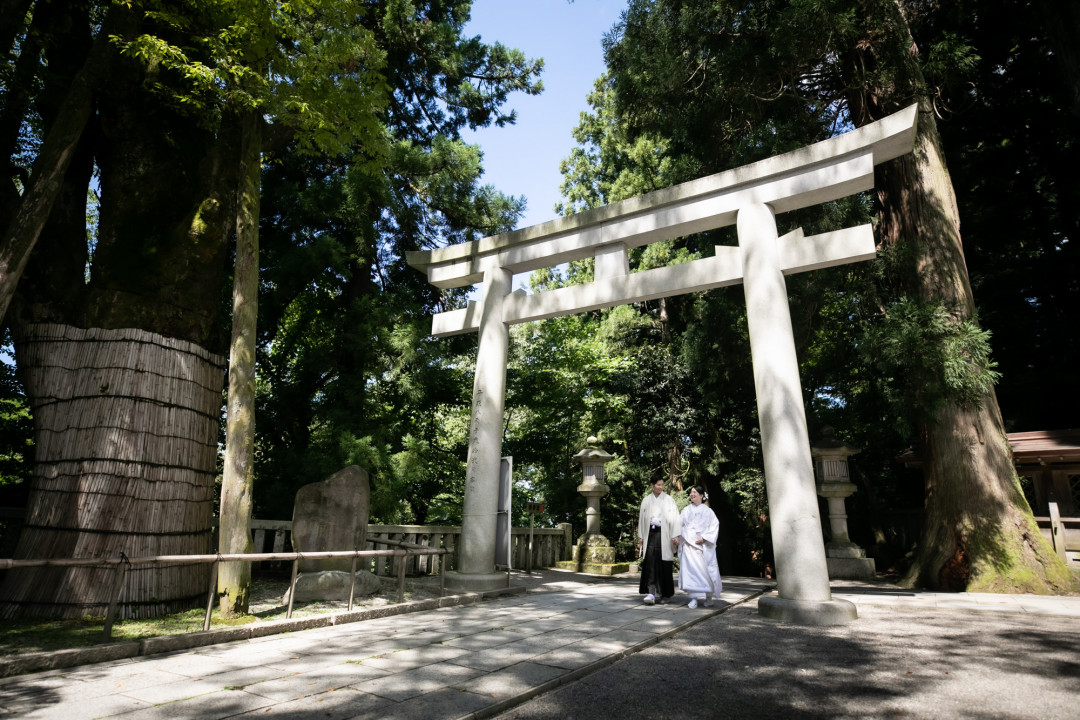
749,197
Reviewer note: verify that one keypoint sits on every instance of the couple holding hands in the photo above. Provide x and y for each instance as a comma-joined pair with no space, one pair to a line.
663,531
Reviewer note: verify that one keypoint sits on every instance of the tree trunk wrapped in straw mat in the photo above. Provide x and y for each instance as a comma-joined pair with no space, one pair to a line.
126,429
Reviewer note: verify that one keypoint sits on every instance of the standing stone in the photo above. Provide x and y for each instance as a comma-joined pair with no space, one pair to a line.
332,515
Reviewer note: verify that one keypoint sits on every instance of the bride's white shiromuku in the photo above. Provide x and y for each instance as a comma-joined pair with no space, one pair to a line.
699,573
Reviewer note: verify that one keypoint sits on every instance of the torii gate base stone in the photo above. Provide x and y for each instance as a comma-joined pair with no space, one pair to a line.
749,198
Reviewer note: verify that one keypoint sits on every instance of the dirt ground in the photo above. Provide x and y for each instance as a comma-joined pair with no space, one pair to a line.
268,591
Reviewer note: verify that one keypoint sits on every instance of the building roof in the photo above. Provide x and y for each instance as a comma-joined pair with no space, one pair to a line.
1045,446
1040,447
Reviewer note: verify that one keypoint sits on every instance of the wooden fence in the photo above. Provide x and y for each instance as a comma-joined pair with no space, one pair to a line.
1063,534
120,566
549,545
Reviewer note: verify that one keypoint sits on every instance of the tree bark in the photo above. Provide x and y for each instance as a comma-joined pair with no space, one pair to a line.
234,579
52,161
978,531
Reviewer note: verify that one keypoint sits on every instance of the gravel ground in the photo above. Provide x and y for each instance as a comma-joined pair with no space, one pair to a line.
889,663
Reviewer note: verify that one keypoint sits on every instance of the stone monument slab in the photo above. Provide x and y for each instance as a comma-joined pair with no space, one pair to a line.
332,515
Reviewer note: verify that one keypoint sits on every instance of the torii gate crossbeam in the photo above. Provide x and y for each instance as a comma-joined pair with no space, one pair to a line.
748,197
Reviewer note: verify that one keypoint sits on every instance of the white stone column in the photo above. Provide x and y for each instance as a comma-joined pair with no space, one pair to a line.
798,546
476,549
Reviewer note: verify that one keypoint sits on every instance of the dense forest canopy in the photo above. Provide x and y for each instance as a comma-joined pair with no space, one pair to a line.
126,219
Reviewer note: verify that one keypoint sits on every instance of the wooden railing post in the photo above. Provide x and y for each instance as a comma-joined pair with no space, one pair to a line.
352,581
211,594
118,587
292,588
567,541
1057,532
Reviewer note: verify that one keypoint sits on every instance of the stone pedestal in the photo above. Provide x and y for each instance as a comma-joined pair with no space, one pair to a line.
332,585
593,555
849,562
475,582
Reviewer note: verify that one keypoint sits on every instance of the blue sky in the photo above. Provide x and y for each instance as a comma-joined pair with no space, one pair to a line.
523,159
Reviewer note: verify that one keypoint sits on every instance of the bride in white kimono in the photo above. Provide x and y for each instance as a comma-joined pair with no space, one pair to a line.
699,573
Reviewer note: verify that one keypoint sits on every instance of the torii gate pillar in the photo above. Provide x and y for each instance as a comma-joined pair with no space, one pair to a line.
476,549
798,546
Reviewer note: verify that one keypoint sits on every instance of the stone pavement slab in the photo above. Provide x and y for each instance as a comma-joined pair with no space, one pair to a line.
423,680
343,704
512,681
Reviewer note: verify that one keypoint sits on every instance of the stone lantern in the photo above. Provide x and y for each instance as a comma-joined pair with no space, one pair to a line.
593,553
845,559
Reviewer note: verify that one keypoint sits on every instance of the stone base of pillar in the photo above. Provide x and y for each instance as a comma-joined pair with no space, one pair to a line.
475,582
847,549
606,569
802,612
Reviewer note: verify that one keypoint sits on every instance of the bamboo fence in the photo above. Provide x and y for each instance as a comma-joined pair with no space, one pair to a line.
125,426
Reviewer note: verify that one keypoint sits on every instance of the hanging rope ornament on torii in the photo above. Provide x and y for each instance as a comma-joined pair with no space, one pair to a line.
748,197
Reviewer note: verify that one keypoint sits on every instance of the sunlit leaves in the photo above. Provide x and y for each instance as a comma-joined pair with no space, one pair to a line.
311,65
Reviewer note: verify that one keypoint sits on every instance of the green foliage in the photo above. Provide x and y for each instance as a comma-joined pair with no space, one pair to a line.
16,428
556,399
280,58
745,490
935,357
346,364
607,166
1010,129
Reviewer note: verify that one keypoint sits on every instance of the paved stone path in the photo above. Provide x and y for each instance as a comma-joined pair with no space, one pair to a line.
447,663
460,662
